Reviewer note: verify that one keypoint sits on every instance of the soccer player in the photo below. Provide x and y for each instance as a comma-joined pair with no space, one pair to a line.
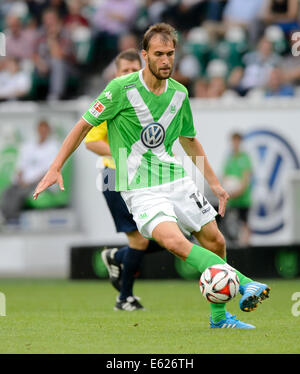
146,112
238,165
123,264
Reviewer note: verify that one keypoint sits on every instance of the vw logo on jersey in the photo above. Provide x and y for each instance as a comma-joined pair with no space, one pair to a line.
153,135
272,158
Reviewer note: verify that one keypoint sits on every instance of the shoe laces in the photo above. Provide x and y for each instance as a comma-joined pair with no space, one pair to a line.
233,318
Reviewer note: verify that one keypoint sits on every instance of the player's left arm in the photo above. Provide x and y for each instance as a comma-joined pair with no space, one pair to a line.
194,149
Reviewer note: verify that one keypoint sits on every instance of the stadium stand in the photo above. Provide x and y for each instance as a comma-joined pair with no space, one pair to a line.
69,44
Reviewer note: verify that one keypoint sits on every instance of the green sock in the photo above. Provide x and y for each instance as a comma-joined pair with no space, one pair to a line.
218,311
202,258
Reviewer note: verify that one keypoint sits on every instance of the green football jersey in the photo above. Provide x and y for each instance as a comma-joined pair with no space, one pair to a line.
142,128
236,165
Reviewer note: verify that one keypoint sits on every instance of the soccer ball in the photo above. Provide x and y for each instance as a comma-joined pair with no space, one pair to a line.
232,184
219,284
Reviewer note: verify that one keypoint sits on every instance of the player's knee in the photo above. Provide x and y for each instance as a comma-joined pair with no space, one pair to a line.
138,242
220,245
173,242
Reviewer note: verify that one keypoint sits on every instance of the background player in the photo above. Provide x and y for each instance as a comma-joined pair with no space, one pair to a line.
141,140
238,166
122,264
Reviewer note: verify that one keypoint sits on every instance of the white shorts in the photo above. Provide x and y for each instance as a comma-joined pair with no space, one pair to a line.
179,201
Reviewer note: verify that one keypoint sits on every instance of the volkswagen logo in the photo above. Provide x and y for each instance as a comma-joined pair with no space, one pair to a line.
153,135
272,157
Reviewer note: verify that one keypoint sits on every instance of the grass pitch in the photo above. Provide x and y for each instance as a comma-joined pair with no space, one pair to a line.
47,316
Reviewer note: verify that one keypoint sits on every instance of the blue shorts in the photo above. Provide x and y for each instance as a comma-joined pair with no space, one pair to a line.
124,221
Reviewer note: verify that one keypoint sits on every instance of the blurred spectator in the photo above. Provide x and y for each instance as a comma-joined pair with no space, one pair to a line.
125,42
277,85
214,18
232,48
187,69
55,54
75,18
34,160
215,9
15,83
216,68
284,13
13,7
256,68
200,88
20,41
213,88
60,7
80,38
241,12
36,9
217,88
278,39
237,182
149,14
199,44
185,14
291,62
78,27
111,19
244,13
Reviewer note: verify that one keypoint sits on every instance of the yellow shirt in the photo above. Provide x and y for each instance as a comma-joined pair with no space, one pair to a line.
100,133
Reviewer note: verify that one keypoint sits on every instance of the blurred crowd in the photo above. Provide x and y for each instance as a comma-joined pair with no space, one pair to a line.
62,49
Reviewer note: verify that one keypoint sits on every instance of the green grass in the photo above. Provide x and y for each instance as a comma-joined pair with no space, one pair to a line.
47,316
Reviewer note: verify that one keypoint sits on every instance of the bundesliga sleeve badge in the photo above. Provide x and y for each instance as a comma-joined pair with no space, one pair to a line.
96,109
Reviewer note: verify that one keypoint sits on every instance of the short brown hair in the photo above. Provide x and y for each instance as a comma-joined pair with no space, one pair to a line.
236,135
166,31
130,54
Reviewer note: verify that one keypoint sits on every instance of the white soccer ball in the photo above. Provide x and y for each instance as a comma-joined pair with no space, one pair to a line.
219,284
231,184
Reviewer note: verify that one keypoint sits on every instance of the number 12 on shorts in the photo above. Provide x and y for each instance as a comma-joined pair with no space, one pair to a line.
197,201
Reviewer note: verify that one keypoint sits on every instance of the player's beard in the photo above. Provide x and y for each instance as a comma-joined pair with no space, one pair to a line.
155,71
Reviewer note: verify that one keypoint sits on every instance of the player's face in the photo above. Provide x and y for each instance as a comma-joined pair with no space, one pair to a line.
127,67
160,57
236,144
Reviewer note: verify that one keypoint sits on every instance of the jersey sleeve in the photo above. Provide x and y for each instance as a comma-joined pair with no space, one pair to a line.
107,105
97,133
187,129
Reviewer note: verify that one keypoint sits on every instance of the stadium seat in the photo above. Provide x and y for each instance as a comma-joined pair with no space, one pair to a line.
276,36
232,48
81,38
198,44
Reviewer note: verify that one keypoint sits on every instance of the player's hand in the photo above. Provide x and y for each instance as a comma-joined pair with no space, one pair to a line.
52,177
223,197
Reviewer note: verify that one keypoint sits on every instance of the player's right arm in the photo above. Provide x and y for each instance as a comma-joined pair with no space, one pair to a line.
105,107
71,142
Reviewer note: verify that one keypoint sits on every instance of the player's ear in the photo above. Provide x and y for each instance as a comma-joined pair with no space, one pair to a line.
144,54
